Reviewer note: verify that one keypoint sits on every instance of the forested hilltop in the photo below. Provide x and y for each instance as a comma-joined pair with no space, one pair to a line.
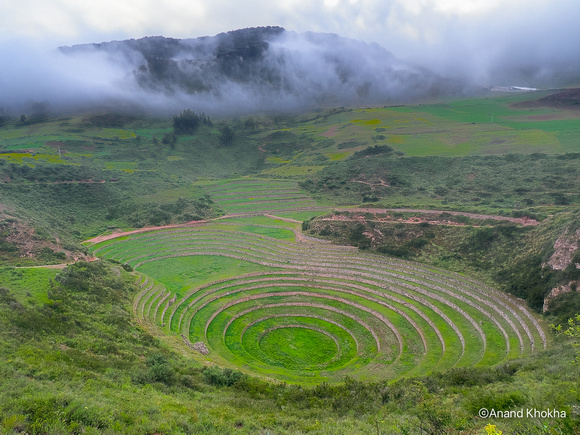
260,69
380,269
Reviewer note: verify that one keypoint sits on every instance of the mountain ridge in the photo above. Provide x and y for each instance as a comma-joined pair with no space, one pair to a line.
270,68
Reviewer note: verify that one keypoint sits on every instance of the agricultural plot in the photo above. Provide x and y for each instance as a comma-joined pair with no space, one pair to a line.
489,125
266,300
261,196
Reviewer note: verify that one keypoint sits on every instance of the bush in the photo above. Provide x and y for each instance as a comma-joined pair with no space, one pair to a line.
358,238
160,370
417,243
169,139
218,377
370,198
227,135
564,307
373,151
561,199
394,251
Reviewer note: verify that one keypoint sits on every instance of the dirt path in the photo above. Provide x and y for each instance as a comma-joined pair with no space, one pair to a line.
408,221
105,237
521,221
46,266
331,132
382,183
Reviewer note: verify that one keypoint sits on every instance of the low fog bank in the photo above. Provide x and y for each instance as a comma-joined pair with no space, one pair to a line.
240,72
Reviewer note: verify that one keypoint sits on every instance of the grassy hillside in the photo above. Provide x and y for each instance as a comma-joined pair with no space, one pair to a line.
81,167
327,272
514,184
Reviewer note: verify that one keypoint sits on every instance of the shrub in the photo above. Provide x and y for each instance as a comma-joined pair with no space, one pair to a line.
160,370
357,237
169,139
326,231
394,251
561,199
370,198
227,135
373,151
417,243
218,377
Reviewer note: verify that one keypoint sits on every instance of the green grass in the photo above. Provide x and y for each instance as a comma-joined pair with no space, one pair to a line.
29,285
241,335
454,128
298,346
80,373
198,164
260,220
258,196
267,365
516,183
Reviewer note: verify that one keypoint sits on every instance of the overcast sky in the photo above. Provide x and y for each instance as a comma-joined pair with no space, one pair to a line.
402,26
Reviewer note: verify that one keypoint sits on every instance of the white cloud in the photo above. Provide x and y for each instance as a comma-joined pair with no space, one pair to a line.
392,23
471,7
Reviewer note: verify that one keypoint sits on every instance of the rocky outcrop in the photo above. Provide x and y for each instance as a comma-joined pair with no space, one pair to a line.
564,250
199,346
557,291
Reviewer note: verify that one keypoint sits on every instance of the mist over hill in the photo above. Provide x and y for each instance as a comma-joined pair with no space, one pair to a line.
243,71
